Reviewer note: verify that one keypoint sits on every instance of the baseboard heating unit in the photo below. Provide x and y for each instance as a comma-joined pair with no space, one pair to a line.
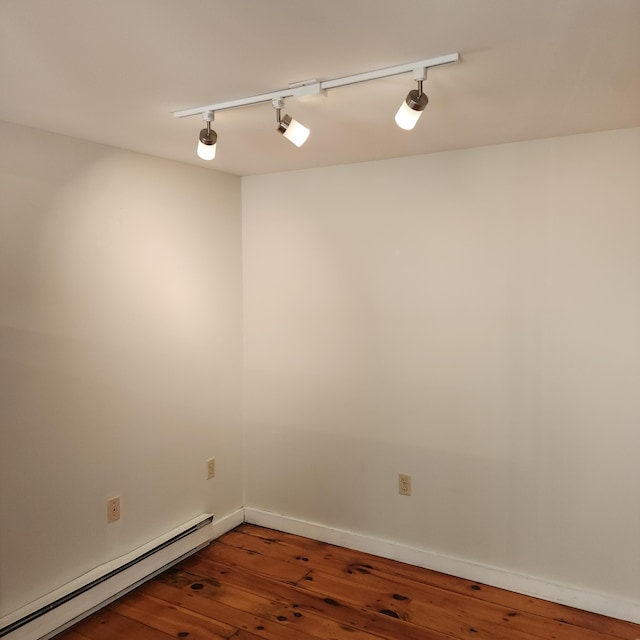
62,608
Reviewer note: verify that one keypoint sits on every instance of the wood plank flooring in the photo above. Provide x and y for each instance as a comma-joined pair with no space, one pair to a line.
259,584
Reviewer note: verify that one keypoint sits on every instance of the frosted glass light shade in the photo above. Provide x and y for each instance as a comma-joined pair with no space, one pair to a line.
293,131
406,118
207,142
411,109
206,151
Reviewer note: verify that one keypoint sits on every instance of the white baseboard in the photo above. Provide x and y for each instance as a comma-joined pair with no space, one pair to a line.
527,585
60,609
63,616
226,523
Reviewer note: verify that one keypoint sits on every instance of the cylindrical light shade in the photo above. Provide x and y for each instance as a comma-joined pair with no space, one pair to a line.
207,144
411,109
293,131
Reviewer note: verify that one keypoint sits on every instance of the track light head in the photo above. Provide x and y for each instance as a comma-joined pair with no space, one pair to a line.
414,104
291,129
411,109
207,144
207,139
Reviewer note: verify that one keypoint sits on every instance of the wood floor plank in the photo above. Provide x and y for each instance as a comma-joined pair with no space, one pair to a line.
259,584
337,561
71,634
107,624
380,623
447,621
443,611
266,599
211,607
282,570
175,621
439,611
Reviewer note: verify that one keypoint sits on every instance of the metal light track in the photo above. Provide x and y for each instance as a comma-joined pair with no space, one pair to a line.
313,87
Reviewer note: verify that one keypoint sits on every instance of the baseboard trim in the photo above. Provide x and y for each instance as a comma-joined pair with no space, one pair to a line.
64,607
527,585
226,523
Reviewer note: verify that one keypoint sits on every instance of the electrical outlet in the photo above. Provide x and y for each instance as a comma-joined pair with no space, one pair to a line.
113,509
404,484
211,468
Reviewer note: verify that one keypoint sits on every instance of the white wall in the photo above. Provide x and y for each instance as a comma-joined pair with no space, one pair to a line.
471,318
120,343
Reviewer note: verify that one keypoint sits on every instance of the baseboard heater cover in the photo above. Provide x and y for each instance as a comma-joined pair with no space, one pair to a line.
50,615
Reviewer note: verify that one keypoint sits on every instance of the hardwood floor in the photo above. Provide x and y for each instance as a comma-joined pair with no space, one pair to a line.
255,583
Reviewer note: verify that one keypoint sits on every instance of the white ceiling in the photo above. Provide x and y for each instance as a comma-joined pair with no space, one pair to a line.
113,71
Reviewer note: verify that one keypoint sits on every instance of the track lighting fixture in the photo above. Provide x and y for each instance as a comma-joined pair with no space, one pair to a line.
411,109
207,139
291,129
407,115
